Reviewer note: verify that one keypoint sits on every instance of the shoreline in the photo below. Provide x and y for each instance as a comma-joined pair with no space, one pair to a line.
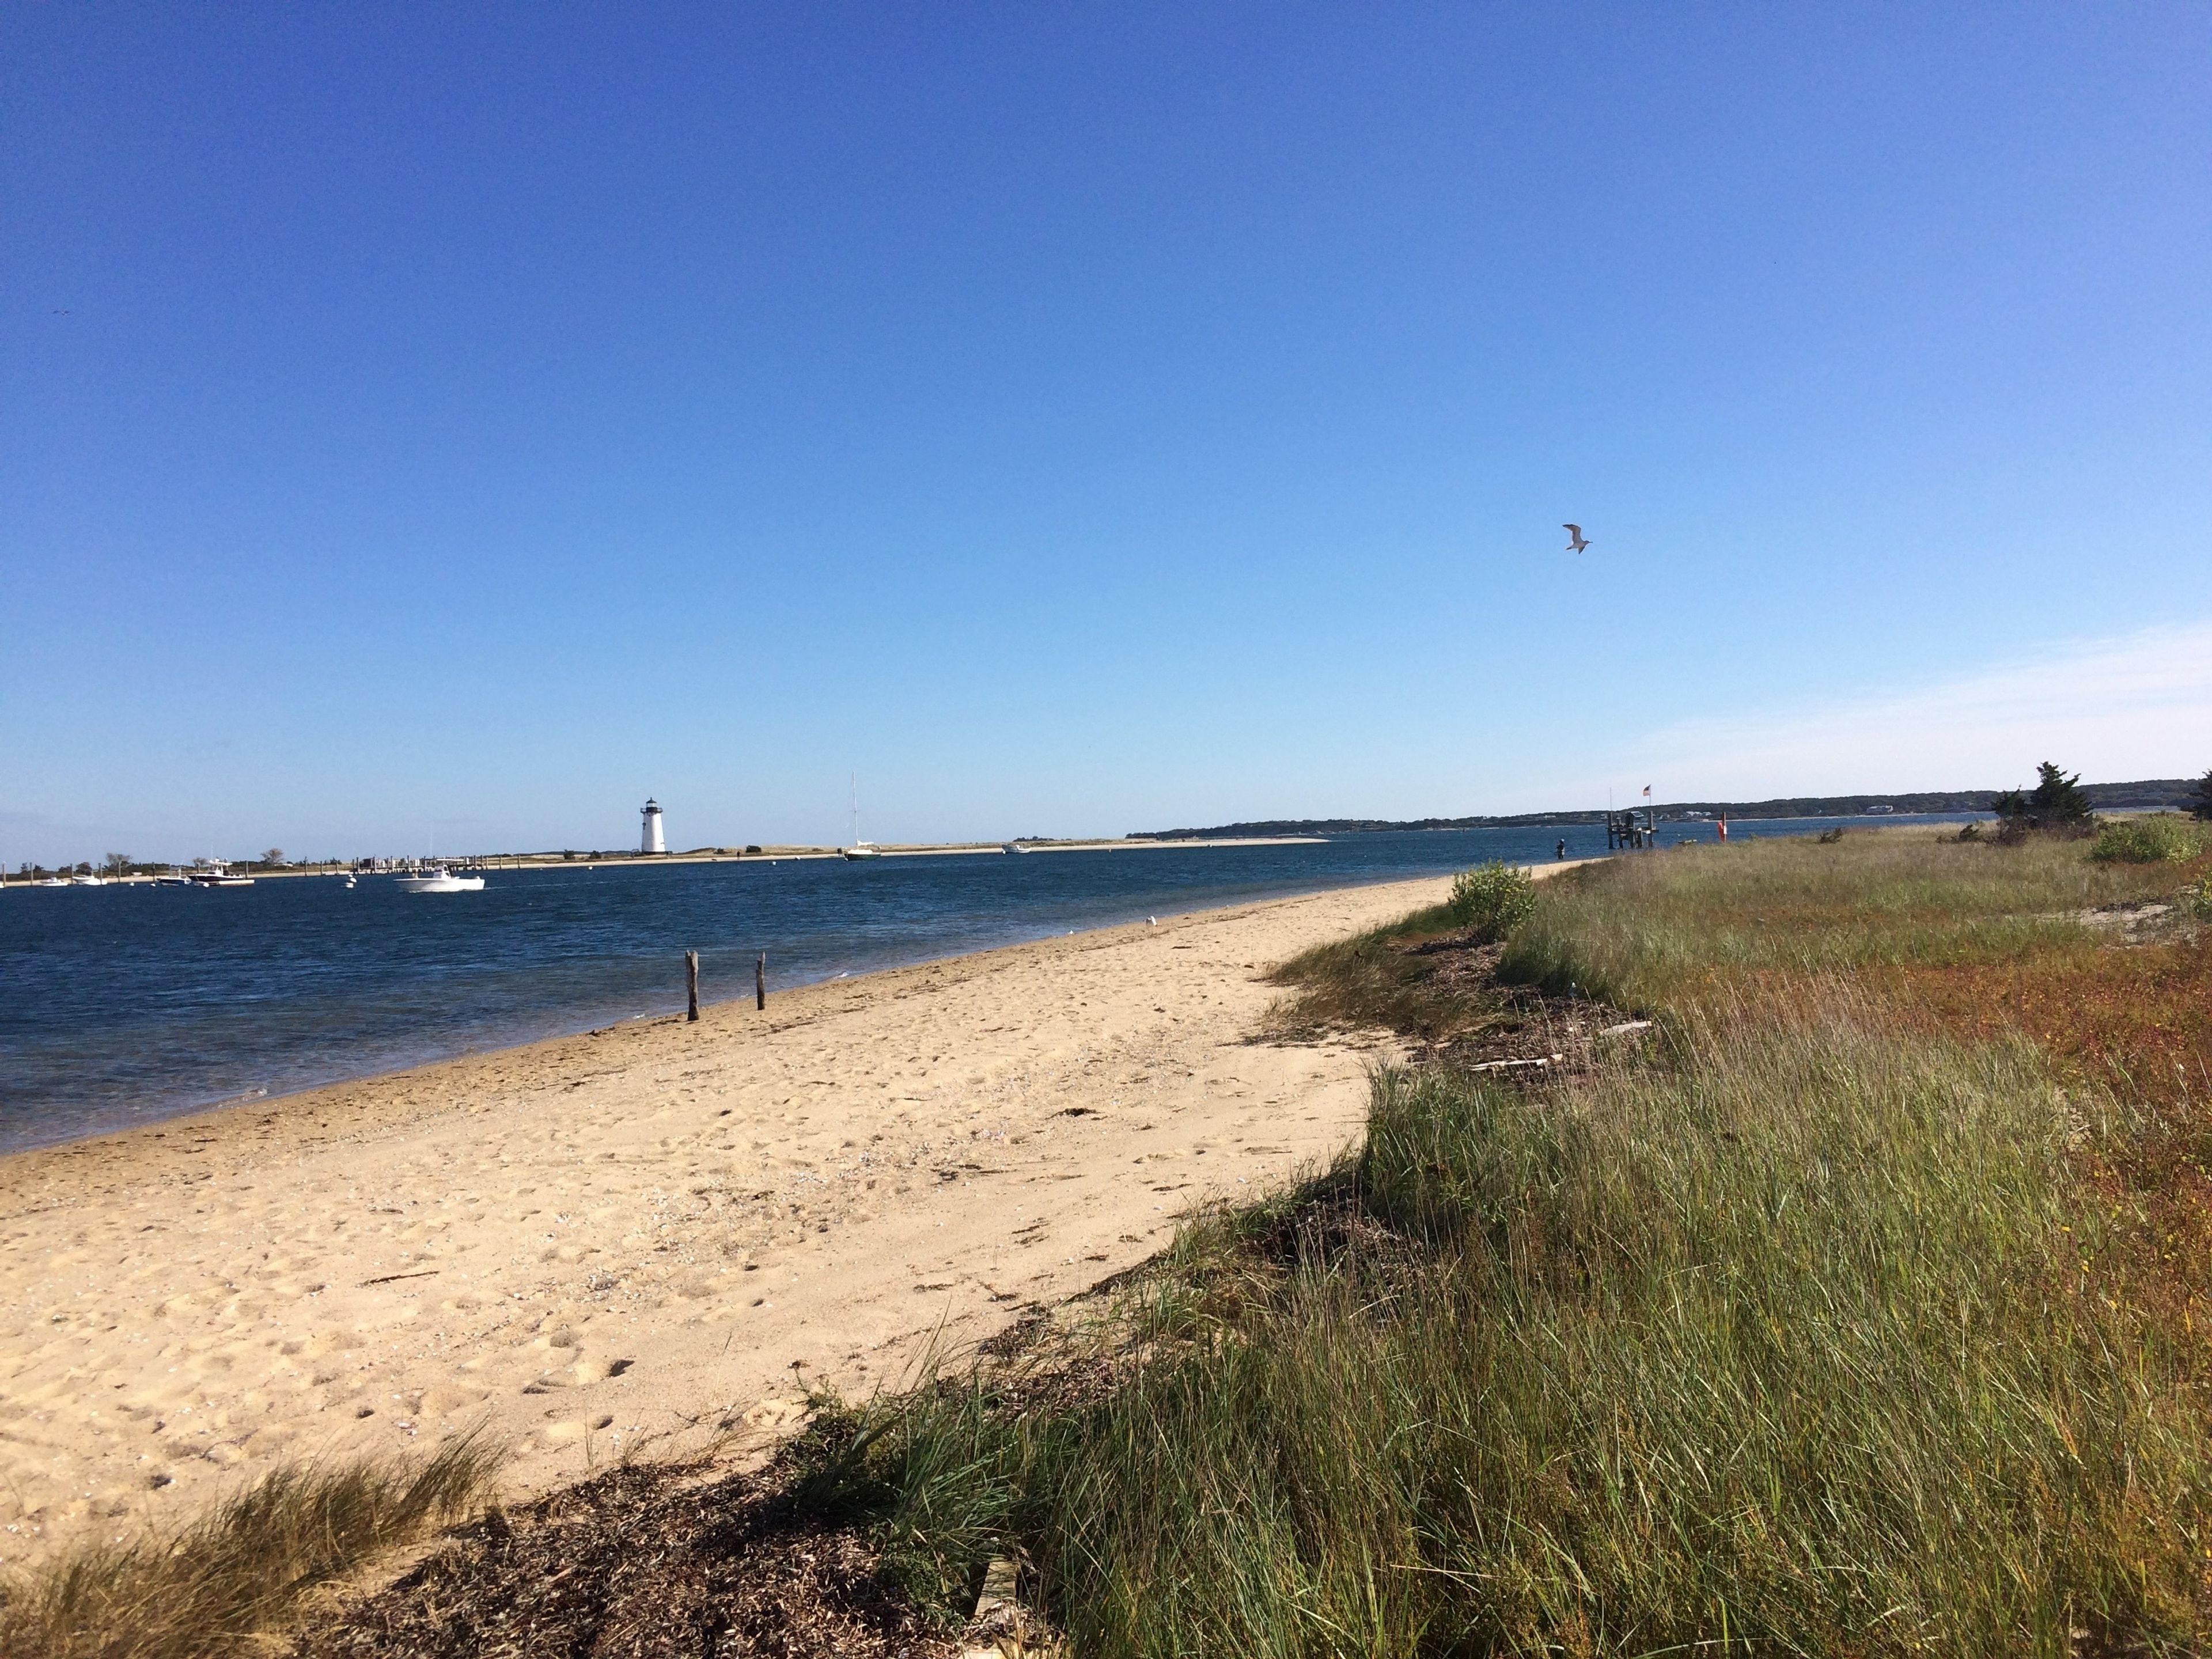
728,855
275,1097
595,1241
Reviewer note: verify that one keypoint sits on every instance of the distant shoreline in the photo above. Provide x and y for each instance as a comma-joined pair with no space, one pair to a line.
723,856
2143,795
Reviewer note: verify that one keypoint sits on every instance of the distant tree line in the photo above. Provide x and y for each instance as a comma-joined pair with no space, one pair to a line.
2147,794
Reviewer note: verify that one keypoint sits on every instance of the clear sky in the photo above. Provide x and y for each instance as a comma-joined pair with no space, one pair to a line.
460,422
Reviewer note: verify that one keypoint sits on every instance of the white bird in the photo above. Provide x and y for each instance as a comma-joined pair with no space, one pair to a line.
1577,543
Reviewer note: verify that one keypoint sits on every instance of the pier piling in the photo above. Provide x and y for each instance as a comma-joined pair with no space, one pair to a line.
691,981
760,980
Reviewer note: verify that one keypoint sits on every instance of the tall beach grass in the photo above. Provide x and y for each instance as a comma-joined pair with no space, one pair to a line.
1774,1343
1666,931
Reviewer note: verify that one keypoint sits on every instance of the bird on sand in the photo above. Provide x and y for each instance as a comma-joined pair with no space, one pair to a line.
1577,543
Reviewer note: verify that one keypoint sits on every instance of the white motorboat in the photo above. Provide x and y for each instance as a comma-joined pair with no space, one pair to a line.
437,879
1013,847
54,881
87,881
174,878
219,876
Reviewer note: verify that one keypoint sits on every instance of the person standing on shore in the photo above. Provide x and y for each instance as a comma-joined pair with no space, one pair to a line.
1560,851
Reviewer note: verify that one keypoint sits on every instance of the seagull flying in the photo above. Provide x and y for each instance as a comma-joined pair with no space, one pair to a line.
1577,543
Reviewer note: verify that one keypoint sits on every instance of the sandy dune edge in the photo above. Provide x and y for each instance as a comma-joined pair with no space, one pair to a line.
593,1239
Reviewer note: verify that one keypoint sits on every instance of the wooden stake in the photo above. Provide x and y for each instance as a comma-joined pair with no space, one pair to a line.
760,981
691,981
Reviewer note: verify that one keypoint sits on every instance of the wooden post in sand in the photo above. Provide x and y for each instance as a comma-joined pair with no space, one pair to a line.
760,980
691,981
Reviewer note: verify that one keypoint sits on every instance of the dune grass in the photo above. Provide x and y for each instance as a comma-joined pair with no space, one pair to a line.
243,1569
1662,933
1780,1343
1794,1334
1369,980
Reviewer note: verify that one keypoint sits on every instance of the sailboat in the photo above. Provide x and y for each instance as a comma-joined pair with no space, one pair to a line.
859,849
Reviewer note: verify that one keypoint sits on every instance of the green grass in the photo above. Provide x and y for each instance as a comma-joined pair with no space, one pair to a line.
1761,1343
1793,1334
1659,931
242,1570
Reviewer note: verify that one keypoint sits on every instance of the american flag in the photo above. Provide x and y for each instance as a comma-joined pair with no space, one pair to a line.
1647,792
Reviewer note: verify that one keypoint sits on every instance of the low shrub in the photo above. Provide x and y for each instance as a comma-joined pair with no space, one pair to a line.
1492,899
2161,838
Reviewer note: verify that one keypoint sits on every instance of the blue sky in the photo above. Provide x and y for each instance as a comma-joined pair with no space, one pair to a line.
462,423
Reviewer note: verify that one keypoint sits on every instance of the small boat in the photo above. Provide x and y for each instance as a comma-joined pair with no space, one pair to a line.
54,881
219,876
87,881
859,849
1013,847
175,878
437,879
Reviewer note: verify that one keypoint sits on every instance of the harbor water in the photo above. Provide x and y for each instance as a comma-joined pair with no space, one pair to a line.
126,1004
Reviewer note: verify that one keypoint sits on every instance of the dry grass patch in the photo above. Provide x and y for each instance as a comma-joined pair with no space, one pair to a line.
241,1571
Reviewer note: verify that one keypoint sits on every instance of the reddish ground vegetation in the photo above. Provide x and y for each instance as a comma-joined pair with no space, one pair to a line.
2137,1020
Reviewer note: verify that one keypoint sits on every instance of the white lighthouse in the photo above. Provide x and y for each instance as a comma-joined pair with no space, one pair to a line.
649,838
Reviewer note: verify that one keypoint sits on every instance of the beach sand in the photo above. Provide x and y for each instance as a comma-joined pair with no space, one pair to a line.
652,1230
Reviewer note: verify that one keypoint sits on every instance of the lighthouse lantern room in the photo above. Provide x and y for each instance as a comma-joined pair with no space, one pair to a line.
649,838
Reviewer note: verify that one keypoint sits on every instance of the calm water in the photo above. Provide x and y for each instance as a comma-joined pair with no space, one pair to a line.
119,1005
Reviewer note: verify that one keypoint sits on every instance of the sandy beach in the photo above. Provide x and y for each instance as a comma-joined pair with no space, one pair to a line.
654,1230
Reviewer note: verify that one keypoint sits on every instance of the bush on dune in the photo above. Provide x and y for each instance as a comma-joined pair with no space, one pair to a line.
1491,899
2160,838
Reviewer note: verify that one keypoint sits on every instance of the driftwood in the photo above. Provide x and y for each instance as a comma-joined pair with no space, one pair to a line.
1502,1065
1001,1628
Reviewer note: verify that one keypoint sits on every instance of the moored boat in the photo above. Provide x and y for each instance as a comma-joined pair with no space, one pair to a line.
437,879
859,849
